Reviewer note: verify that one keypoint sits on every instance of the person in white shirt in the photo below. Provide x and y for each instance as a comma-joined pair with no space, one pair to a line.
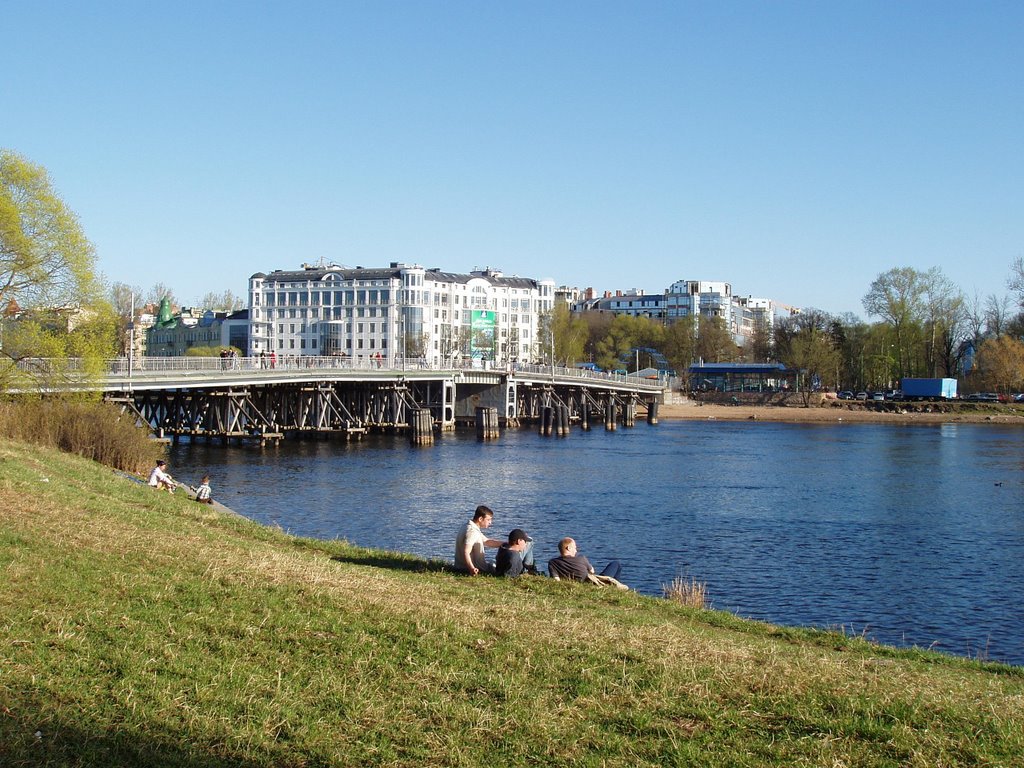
470,543
160,479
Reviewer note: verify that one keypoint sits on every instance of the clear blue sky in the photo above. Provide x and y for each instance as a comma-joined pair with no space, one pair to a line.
794,149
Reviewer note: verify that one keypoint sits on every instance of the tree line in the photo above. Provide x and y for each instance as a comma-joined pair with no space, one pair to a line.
925,327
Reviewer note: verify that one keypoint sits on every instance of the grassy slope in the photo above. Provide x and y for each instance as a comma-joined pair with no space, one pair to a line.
139,628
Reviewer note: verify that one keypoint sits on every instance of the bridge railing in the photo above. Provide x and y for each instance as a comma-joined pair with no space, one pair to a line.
122,367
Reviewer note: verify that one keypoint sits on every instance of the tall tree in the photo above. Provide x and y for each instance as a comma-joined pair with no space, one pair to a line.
714,342
158,293
998,313
1001,364
570,334
126,301
221,302
947,325
808,343
681,346
899,298
1016,280
47,271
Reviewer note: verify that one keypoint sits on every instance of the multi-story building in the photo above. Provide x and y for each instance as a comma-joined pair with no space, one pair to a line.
633,302
172,335
401,311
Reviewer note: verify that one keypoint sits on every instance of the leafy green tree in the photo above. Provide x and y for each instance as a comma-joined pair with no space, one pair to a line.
618,341
625,333
50,296
680,347
714,342
899,298
808,342
570,334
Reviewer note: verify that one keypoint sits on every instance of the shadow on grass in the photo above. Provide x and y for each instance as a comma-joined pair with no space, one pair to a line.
54,742
395,562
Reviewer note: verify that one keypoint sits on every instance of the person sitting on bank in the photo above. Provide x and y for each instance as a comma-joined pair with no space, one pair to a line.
575,567
204,494
470,543
159,478
515,557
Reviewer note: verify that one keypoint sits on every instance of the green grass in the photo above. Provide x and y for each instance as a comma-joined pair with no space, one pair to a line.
138,628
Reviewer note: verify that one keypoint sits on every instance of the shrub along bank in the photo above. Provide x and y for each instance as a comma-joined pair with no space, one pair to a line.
139,628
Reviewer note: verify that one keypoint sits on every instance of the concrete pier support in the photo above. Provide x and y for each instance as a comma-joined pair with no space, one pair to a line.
629,414
652,413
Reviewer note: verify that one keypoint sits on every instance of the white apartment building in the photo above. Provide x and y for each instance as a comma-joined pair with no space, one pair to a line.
402,311
715,299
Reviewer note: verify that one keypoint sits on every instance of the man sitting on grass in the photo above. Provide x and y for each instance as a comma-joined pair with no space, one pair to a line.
516,557
470,543
575,567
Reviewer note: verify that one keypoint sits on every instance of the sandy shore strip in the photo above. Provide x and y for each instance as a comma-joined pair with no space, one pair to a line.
692,410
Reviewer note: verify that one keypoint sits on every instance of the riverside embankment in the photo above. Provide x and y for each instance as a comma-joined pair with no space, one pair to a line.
836,411
138,628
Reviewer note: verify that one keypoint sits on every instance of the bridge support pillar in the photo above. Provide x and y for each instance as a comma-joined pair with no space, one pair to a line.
487,424
421,427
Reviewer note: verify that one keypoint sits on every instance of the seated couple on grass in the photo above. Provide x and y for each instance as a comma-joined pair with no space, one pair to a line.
514,557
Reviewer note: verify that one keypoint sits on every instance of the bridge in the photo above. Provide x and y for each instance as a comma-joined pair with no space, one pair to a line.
264,399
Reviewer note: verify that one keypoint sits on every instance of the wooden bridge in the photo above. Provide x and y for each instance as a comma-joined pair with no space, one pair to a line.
253,398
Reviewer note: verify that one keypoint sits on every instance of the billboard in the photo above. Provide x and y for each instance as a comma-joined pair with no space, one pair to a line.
481,334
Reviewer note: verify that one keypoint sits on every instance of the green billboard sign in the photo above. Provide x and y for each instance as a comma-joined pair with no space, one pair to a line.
481,338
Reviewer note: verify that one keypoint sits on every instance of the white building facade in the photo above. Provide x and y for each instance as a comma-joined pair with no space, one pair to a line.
402,311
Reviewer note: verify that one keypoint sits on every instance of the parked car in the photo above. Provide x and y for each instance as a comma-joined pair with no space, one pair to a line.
845,395
878,395
983,397
1019,397
861,396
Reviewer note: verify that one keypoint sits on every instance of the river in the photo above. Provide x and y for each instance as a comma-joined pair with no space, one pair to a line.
909,535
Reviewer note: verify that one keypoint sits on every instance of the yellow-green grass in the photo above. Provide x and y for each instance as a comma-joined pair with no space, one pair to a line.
139,628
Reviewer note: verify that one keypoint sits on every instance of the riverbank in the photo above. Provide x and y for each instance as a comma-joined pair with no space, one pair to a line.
838,412
141,628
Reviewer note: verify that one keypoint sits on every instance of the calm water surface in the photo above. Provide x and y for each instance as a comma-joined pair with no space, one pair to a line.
912,535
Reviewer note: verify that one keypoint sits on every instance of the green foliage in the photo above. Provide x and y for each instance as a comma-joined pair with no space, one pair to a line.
625,333
570,335
49,294
680,346
214,351
714,342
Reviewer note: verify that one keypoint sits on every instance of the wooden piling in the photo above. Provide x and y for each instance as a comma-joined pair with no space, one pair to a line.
487,423
421,426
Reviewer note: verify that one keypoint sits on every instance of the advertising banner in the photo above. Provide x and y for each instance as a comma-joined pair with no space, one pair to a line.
481,340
